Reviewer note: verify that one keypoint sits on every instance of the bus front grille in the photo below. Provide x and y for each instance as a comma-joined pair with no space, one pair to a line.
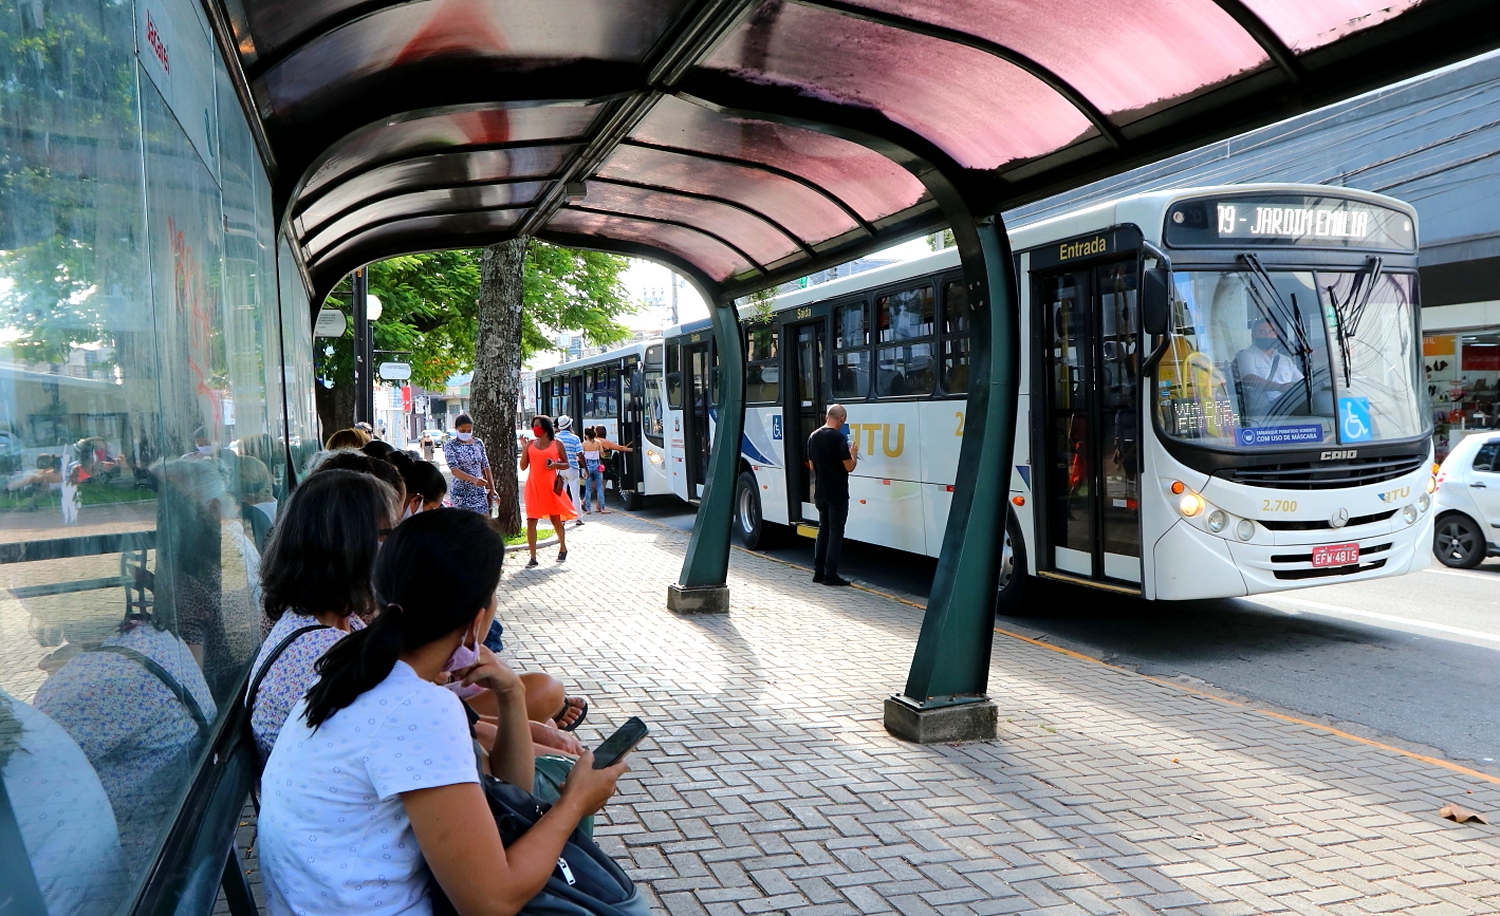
1323,572
1321,524
1321,475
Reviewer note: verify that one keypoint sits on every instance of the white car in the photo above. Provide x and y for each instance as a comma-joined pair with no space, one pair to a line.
1467,526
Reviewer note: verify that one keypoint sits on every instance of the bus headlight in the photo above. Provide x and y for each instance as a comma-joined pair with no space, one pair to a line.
1431,484
1424,502
1245,530
1409,514
653,457
1217,519
1190,505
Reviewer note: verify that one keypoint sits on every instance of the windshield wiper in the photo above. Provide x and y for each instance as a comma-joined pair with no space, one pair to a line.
1261,288
1346,319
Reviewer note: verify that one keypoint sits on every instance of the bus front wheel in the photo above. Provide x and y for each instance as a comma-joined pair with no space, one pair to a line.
632,499
1011,585
755,531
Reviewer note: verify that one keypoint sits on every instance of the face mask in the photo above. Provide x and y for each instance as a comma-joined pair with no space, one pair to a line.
464,437
206,449
1267,343
537,431
464,656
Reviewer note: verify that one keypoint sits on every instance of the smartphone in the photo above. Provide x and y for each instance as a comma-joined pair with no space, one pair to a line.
620,743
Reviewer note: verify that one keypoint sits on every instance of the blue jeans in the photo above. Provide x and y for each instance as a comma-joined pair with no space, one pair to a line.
595,486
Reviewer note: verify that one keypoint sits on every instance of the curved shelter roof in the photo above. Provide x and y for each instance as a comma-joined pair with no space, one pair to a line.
750,141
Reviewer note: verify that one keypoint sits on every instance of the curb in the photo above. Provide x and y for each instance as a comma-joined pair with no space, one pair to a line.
539,545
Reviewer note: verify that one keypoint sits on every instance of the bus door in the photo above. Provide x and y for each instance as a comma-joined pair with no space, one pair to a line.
802,410
1091,429
632,389
697,363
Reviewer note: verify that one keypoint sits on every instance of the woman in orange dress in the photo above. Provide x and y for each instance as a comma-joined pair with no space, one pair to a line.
542,458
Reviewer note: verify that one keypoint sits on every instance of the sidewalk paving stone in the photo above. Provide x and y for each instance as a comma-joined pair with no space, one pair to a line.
769,785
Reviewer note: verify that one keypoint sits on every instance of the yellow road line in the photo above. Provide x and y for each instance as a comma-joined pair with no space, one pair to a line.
1435,761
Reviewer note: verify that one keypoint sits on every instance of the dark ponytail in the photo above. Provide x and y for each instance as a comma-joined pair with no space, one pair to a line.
453,546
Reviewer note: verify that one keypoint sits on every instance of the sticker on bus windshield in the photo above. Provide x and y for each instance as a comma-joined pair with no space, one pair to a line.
1278,435
1354,420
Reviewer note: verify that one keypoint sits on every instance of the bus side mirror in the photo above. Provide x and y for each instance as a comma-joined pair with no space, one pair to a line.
1156,307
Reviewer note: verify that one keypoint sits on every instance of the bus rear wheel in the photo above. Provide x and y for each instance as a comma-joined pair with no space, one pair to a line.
755,532
1011,583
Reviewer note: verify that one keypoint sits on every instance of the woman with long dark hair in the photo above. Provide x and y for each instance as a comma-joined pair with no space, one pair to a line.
316,573
373,780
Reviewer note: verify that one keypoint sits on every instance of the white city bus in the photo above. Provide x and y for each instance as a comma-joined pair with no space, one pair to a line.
1260,427
620,390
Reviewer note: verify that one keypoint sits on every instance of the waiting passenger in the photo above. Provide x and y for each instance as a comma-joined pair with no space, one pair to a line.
425,487
344,794
62,814
347,438
316,573
139,708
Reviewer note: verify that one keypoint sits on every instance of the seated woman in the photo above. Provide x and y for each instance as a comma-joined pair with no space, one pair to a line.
425,486
345,791
316,572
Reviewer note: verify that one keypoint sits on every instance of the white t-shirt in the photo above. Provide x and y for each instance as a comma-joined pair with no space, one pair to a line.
1257,362
334,835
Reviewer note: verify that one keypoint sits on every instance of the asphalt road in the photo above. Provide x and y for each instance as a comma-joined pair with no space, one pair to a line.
1413,661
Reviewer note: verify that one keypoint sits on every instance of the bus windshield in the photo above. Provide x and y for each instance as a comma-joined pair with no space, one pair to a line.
1290,359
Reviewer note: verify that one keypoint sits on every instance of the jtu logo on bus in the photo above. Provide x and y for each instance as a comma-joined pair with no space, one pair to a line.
863,434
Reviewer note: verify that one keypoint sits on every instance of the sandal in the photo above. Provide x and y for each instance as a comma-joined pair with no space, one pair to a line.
531,562
562,556
583,713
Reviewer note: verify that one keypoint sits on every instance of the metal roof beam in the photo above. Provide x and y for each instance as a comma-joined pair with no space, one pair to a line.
620,214
692,38
802,245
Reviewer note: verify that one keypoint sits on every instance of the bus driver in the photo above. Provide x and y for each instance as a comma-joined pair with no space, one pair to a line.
1264,368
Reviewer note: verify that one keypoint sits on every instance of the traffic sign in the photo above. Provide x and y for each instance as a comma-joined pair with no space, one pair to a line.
395,372
330,323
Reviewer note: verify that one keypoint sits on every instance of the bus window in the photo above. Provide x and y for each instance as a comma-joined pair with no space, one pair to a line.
761,370
956,313
674,377
904,318
653,416
851,361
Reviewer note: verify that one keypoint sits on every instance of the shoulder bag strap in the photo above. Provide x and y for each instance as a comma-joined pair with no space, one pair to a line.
254,688
170,682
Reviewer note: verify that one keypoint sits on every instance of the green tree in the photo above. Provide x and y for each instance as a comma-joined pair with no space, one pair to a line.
527,287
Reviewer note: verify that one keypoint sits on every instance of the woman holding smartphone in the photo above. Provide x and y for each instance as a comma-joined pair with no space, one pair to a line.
373,783
542,459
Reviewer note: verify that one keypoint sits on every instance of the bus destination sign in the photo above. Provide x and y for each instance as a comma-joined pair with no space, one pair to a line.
1288,220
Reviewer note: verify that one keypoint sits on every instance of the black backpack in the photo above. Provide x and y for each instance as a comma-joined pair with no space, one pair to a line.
586,882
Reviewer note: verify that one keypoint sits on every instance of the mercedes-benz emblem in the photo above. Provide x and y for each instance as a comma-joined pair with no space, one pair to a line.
1340,518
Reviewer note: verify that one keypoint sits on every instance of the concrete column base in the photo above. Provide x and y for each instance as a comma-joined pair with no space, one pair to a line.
698,599
976,721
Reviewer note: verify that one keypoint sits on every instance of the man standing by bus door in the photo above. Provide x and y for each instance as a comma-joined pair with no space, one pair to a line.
832,458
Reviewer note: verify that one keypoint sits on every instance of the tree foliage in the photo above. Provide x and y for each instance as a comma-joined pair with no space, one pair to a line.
429,313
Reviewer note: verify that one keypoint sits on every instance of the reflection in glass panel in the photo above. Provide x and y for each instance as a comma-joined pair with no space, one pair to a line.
851,374
956,309
903,371
143,398
849,329
905,315
956,365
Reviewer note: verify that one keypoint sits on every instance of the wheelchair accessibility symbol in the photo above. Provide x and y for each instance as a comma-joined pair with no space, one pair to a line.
1354,420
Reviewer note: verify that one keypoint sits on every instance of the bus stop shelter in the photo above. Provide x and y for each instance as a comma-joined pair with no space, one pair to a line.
749,142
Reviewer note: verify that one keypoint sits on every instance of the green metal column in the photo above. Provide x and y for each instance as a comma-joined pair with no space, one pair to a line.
707,561
952,660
